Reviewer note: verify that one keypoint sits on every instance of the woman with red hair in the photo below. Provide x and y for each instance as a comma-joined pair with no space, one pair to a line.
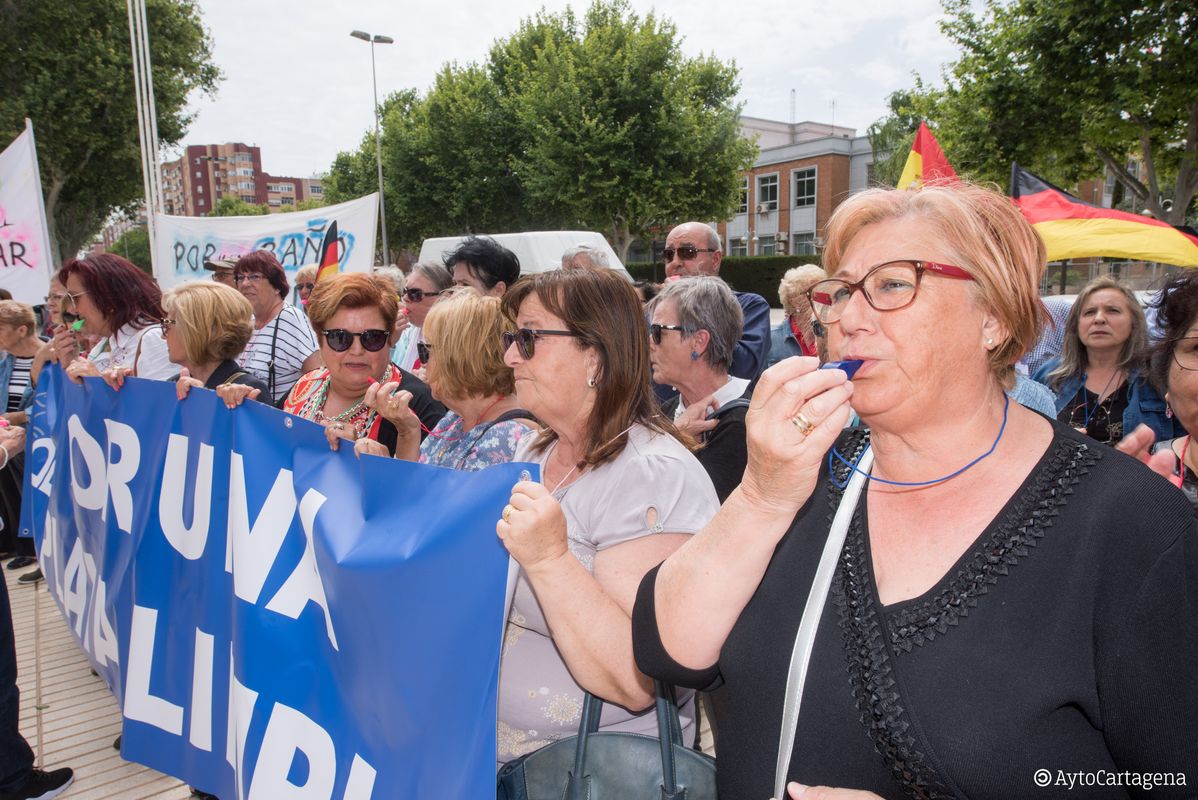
118,302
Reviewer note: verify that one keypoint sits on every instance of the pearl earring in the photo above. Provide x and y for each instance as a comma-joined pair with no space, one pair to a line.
591,382
989,342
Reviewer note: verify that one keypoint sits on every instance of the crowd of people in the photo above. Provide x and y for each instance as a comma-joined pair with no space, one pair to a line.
958,558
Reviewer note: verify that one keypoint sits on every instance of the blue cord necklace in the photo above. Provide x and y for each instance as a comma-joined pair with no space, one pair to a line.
1086,398
853,465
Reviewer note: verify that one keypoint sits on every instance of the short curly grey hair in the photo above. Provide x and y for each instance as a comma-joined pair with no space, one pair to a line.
706,303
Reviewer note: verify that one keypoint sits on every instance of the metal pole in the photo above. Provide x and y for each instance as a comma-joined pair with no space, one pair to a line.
142,132
378,156
151,108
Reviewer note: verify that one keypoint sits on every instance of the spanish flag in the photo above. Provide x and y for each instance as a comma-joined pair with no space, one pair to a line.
329,264
926,162
1072,228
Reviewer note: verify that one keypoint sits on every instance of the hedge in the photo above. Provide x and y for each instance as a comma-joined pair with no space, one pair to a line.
758,274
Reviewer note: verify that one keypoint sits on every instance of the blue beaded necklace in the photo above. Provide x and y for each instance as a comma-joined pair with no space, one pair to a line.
853,465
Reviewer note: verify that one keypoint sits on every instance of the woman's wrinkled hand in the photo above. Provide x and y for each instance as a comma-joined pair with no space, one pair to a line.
533,526
796,414
80,368
797,791
186,383
1138,444
234,394
115,376
694,419
395,407
369,447
336,431
13,438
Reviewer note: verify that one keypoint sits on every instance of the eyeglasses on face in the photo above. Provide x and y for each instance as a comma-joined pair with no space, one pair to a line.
418,295
1185,352
73,297
68,318
655,331
886,287
527,337
168,323
252,277
339,339
425,351
686,252
308,286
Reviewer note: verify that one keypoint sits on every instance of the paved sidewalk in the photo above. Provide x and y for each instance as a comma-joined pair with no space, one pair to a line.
79,715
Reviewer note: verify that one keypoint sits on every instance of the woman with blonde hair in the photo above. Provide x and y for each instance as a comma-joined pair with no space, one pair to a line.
305,282
795,334
207,325
962,594
1100,379
463,356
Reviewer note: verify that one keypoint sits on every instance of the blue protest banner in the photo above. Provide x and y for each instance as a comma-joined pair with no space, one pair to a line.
276,620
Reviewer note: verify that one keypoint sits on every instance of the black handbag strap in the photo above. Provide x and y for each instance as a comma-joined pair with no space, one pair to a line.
669,733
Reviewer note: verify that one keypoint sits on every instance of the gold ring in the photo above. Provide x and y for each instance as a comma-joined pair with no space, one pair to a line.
804,425
507,513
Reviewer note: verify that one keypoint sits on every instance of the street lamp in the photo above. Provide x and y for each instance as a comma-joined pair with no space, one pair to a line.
378,140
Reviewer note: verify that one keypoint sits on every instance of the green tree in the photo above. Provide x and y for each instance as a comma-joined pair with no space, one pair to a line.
1069,87
891,137
66,65
134,244
599,124
230,206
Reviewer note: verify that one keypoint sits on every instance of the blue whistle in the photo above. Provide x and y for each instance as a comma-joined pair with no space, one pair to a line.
850,367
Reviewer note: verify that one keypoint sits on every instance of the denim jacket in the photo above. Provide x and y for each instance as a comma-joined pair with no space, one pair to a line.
6,365
1144,405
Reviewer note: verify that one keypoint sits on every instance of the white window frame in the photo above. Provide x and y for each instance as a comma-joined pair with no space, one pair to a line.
744,203
804,246
738,246
773,204
794,186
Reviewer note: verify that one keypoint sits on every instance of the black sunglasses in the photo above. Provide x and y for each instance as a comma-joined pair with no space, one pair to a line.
424,350
686,252
527,337
68,318
417,295
308,286
340,339
655,331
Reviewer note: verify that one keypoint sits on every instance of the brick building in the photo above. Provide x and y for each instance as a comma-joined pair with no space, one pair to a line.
193,183
804,170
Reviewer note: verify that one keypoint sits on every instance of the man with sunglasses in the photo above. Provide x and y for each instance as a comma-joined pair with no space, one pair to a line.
694,249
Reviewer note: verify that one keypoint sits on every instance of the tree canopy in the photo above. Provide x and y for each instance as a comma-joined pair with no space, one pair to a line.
600,123
229,206
134,244
1068,88
67,66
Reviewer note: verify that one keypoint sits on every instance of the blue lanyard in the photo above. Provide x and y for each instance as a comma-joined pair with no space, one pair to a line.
853,465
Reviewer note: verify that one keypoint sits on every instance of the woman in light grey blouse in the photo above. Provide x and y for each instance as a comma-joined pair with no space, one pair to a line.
619,492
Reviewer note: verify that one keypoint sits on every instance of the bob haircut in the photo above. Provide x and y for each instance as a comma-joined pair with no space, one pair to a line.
465,331
436,274
987,237
123,293
1176,311
1073,359
17,314
706,304
305,274
352,290
214,321
264,263
603,311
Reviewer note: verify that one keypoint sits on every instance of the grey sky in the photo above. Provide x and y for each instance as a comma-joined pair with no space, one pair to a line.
297,85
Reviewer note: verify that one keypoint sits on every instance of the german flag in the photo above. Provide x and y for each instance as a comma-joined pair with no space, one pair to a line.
1072,228
329,264
926,162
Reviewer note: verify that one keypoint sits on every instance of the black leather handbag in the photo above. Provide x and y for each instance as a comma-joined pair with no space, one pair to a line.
613,766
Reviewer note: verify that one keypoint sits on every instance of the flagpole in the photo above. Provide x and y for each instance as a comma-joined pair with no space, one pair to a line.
142,128
152,110
51,242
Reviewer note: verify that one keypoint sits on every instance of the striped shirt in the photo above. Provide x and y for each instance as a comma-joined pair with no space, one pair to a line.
295,342
19,382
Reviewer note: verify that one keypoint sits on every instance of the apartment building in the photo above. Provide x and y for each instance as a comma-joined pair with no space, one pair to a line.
197,180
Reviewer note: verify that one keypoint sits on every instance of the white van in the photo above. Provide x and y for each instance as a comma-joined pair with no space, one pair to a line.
538,251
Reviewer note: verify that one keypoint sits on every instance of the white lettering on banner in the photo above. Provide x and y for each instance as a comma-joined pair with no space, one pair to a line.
200,730
188,540
106,648
255,549
74,583
360,785
304,585
41,479
140,705
287,733
119,473
240,715
106,478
